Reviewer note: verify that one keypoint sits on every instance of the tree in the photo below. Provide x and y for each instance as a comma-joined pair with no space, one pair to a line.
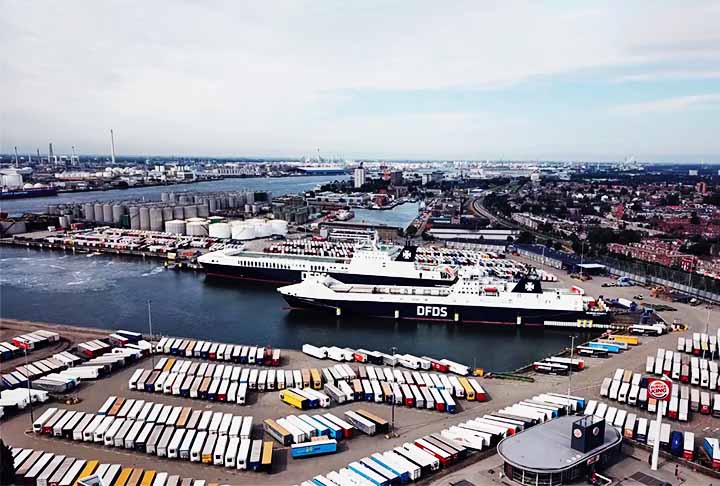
7,466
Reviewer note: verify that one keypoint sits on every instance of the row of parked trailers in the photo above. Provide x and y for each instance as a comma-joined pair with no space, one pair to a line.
162,430
684,368
372,391
631,388
299,429
378,358
30,341
236,353
700,344
416,460
33,467
643,430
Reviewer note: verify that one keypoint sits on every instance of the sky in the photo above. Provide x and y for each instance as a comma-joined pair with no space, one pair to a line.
506,79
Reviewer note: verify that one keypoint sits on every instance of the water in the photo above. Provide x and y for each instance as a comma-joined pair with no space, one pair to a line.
111,292
276,185
400,216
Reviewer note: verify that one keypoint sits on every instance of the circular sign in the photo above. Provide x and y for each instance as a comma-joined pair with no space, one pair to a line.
577,433
658,389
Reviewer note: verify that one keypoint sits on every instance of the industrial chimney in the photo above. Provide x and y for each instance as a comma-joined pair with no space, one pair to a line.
112,146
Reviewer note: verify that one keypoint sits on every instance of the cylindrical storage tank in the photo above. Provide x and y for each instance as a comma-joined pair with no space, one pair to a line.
107,213
219,230
176,226
263,230
63,222
241,199
156,219
167,213
117,212
97,213
144,218
196,228
243,231
52,209
203,210
279,227
178,212
171,197
232,202
250,197
212,204
190,212
255,208
164,196
183,199
134,212
76,211
247,208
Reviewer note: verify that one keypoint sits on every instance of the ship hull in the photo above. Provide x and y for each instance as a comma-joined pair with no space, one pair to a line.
281,277
28,193
445,313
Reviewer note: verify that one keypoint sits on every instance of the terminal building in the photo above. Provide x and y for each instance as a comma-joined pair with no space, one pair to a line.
562,451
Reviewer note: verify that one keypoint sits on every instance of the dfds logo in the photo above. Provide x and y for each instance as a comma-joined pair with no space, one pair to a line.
431,311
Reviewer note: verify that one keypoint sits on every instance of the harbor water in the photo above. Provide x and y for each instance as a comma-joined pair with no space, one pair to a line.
112,292
276,185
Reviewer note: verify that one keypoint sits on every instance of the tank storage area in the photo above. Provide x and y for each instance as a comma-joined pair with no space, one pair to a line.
184,213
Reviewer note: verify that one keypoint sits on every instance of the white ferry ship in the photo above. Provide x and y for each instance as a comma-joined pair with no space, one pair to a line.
471,299
370,264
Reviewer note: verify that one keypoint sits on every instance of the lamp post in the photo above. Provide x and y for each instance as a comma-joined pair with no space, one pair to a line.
393,351
152,343
572,352
29,387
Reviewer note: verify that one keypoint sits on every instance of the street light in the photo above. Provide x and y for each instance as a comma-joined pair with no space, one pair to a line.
572,352
393,351
152,344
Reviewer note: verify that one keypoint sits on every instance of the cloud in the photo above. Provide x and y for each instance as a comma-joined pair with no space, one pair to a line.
678,103
671,75
270,77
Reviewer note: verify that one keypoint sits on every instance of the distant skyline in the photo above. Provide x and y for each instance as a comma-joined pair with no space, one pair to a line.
513,80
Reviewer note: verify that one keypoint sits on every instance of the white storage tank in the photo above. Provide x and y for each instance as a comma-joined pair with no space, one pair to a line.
279,227
12,181
190,212
216,219
219,230
176,227
144,218
196,228
156,219
98,213
243,231
117,212
89,211
264,229
134,217
107,213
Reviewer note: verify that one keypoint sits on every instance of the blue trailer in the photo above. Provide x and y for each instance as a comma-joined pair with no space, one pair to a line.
391,476
336,432
402,474
314,448
609,347
322,429
368,474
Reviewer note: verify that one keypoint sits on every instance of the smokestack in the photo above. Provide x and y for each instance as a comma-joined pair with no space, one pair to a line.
16,157
112,146
50,151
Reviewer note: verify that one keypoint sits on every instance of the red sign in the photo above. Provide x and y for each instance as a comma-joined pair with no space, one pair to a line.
659,389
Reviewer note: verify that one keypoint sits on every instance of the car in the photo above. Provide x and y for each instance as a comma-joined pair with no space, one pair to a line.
638,297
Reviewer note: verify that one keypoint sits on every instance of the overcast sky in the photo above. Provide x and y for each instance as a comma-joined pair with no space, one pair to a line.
477,79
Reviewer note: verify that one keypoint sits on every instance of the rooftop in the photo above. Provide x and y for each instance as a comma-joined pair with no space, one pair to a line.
546,447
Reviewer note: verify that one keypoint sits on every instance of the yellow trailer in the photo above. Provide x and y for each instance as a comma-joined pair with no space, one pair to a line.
169,364
630,340
305,377
87,470
316,379
469,390
148,478
134,479
124,476
293,399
